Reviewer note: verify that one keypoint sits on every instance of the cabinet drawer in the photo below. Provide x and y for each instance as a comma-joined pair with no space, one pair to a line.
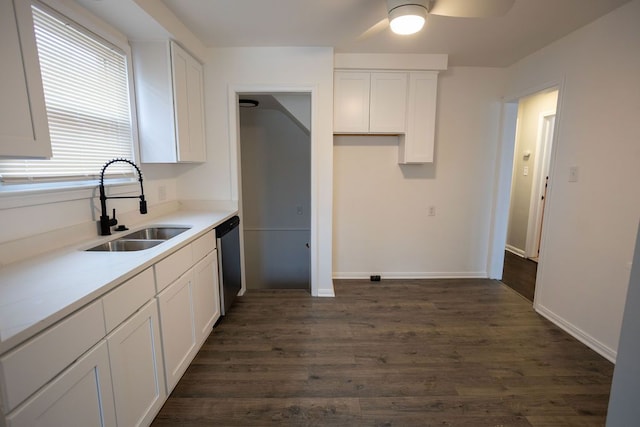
173,266
31,365
204,245
123,301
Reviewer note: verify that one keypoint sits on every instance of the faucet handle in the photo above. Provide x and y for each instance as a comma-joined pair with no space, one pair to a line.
113,221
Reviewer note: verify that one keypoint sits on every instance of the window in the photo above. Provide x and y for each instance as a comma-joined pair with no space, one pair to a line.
86,89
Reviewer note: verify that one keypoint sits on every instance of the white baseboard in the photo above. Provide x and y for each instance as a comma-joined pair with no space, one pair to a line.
412,275
577,333
516,251
326,293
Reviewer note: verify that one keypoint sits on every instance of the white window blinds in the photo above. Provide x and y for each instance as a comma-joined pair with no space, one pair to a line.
87,98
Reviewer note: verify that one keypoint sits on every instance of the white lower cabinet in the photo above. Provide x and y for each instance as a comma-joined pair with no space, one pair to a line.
178,328
206,301
115,361
82,395
136,367
189,306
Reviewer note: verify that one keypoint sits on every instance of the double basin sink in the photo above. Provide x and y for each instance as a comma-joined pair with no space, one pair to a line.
139,240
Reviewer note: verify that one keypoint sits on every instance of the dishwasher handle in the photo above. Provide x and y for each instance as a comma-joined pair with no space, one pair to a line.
227,226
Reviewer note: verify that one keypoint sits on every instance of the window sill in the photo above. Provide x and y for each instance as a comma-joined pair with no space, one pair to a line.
22,195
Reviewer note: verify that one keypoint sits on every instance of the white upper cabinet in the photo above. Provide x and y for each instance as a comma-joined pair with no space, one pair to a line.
387,112
24,131
366,102
417,145
351,102
170,102
188,96
394,103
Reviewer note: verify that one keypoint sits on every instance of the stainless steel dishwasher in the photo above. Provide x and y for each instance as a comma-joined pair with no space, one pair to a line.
228,239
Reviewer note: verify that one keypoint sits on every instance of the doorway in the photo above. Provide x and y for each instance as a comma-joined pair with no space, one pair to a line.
530,181
275,175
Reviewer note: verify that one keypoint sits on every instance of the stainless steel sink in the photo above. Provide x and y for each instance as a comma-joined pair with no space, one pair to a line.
156,233
140,240
125,245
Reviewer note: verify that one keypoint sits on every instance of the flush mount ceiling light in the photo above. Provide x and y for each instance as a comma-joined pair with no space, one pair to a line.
406,17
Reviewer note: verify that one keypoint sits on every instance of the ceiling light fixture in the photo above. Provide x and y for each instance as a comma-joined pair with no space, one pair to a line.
406,18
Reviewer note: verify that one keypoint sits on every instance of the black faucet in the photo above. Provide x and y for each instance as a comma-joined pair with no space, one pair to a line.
105,222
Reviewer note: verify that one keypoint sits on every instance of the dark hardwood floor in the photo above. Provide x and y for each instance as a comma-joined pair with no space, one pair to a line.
393,353
520,274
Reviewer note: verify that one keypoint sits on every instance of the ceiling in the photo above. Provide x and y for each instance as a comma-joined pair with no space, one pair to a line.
344,24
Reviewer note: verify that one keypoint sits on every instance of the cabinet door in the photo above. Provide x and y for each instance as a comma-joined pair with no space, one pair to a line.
28,367
136,368
418,145
388,103
189,105
80,396
206,300
178,328
351,102
154,101
24,130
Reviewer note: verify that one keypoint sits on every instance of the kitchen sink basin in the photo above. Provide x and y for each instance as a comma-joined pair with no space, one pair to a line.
156,233
125,245
139,240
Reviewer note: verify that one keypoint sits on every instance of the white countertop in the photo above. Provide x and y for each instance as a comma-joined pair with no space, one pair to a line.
36,293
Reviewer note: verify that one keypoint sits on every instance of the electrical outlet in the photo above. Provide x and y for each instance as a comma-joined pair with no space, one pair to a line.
299,210
432,211
162,193
525,171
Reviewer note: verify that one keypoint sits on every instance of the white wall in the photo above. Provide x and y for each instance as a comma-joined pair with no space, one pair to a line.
33,224
268,70
381,222
590,224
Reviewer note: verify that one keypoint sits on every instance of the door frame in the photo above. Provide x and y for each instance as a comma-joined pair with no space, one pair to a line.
504,176
234,92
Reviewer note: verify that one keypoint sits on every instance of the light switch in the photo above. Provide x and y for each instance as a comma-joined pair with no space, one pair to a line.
299,210
573,174
525,171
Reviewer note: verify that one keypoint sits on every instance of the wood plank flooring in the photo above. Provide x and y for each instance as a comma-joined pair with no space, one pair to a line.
392,353
520,274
